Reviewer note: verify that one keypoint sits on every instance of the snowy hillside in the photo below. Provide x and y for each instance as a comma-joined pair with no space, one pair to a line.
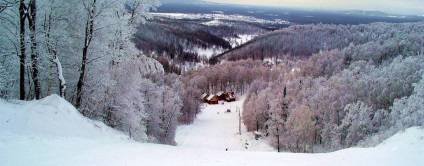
217,17
241,39
216,129
52,132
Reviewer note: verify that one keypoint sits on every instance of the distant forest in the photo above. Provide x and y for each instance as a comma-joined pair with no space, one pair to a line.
302,41
170,40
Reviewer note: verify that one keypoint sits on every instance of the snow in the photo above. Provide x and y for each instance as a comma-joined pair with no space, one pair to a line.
221,16
51,116
213,23
60,73
295,70
210,97
51,132
213,51
243,38
216,129
207,52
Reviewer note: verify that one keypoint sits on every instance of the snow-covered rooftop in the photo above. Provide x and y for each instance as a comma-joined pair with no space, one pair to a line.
210,97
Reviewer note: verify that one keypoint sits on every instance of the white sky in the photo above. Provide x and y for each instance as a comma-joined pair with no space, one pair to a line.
415,7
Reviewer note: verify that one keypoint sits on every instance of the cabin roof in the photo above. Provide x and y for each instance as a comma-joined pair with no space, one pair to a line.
210,97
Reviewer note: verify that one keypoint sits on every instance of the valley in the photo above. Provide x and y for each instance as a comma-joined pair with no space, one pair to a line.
200,82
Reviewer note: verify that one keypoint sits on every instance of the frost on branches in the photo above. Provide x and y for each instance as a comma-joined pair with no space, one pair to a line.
85,51
352,92
409,111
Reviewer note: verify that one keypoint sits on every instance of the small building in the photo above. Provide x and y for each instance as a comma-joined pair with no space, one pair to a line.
212,99
230,96
204,97
221,95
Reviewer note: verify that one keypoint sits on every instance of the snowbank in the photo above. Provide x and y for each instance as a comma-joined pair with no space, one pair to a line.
52,132
51,116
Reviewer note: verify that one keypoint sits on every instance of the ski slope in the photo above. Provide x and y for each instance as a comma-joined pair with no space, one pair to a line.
214,128
51,132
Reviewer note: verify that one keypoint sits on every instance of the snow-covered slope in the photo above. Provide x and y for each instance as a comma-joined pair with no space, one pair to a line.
49,117
241,39
217,129
51,132
206,52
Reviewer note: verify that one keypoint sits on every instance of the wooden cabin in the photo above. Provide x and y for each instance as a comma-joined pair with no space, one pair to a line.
221,95
212,99
230,96
204,97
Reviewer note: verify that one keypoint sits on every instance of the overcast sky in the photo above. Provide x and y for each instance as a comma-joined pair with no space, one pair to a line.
415,7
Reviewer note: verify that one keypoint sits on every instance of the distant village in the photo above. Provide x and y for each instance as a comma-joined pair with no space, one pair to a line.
220,96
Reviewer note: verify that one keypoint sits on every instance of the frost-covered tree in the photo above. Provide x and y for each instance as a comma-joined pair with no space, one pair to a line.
85,51
300,127
126,110
277,114
191,102
152,105
357,124
248,115
171,111
408,111
106,28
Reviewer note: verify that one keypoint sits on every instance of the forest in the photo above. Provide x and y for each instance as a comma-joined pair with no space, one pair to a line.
310,88
333,92
173,42
300,41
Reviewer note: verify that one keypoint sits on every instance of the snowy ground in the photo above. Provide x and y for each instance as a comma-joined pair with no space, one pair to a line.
234,41
220,17
51,132
241,39
216,129
207,52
